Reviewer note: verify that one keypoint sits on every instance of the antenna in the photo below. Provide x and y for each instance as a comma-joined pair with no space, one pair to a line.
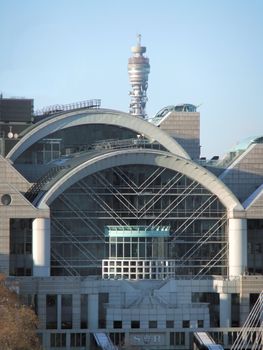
139,37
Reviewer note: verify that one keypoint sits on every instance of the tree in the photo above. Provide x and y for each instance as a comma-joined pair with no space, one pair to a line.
18,323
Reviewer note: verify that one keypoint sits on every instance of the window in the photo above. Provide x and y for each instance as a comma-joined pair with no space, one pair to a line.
152,324
135,324
169,324
235,309
232,337
253,298
77,339
177,338
51,311
84,311
66,311
186,324
118,339
103,301
200,324
258,248
218,337
117,324
213,300
20,245
57,340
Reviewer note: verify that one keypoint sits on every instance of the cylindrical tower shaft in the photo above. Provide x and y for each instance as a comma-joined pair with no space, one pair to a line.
138,69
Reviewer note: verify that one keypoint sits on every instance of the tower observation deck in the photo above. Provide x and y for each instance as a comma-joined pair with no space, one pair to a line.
138,69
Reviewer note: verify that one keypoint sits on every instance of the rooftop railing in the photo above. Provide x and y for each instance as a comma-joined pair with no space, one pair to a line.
96,103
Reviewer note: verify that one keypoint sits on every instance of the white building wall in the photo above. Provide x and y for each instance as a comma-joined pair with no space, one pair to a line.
237,250
41,247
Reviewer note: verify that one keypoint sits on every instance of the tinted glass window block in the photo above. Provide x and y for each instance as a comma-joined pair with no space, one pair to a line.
66,311
77,339
200,323
152,324
51,311
232,337
103,301
57,340
172,338
52,339
169,324
135,324
235,309
186,324
20,258
253,298
213,300
179,338
117,324
84,311
118,339
218,337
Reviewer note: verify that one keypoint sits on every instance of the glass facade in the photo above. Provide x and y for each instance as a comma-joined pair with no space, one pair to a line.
20,245
70,141
142,196
255,246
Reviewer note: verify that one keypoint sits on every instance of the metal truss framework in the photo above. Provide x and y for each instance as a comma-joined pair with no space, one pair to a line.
251,334
144,195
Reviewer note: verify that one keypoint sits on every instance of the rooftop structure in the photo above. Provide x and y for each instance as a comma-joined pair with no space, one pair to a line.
160,116
58,108
182,122
16,114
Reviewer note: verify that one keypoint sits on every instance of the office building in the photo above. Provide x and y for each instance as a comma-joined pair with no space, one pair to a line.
119,234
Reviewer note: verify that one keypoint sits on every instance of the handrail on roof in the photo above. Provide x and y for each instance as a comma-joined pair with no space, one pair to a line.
94,103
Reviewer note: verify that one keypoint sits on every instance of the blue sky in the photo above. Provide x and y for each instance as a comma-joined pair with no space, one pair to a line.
204,52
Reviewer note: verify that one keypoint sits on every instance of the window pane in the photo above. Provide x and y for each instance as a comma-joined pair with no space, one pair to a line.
51,311
66,311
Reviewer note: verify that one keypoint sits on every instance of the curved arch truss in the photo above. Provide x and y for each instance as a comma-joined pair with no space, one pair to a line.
138,222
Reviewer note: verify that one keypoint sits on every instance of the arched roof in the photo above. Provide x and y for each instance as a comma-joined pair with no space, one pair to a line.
99,116
148,157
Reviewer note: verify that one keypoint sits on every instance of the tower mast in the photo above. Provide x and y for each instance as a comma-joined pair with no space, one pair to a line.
138,69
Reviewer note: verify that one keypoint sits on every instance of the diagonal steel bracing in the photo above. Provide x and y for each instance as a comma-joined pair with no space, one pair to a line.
82,216
198,244
162,192
217,258
103,205
73,239
174,204
155,197
116,193
64,263
196,214
251,334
